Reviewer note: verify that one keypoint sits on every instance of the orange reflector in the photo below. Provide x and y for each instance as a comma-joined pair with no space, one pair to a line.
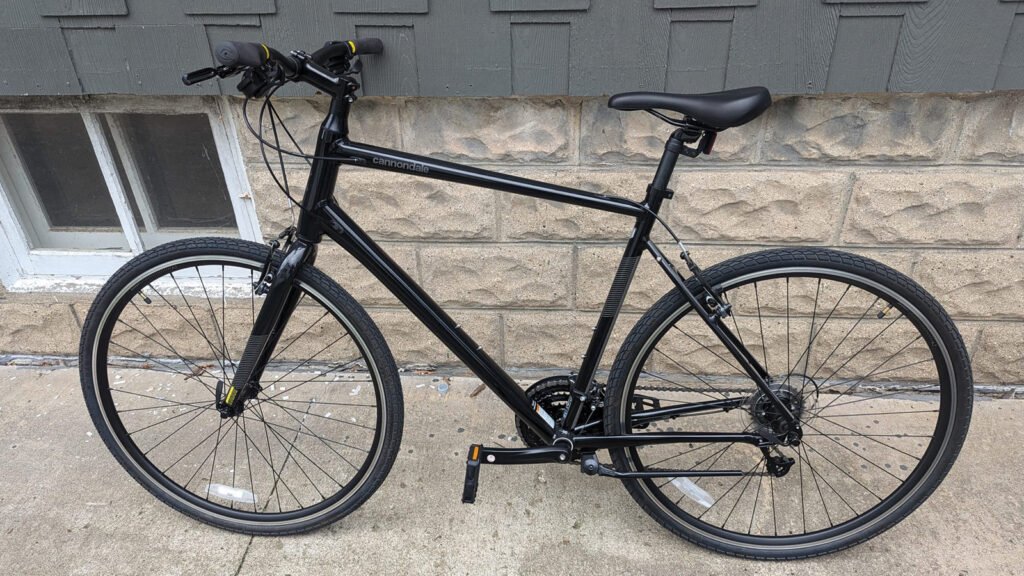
476,453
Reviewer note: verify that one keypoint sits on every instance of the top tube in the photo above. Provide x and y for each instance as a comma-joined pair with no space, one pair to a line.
395,161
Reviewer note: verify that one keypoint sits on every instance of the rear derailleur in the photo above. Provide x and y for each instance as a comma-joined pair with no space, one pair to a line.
777,465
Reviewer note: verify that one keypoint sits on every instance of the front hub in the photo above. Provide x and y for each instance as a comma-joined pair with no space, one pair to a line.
232,403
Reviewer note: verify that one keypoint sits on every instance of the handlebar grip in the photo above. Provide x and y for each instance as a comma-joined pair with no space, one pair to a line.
365,46
241,54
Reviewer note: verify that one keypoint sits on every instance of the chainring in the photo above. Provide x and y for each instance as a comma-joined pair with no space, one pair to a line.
552,394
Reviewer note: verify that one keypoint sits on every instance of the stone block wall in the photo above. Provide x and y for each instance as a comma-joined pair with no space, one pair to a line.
932,185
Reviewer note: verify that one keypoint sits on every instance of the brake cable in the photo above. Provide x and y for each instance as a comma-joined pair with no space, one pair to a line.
691,265
275,118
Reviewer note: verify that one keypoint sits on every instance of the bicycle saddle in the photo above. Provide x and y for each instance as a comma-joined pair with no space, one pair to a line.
718,110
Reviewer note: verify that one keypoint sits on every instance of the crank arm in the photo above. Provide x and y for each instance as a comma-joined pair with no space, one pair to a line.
479,454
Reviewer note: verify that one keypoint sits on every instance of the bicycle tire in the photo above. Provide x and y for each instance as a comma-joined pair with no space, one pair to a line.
951,422
95,364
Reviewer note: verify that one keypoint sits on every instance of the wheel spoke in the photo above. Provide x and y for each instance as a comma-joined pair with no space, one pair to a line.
296,338
925,388
854,452
746,476
873,437
199,325
757,495
274,492
292,447
178,429
845,336
810,332
688,371
808,446
760,324
682,387
168,346
705,346
151,359
314,378
168,419
739,497
310,359
217,326
821,496
248,463
304,456
872,372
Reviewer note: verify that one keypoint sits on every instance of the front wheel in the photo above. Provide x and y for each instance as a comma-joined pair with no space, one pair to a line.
871,365
161,344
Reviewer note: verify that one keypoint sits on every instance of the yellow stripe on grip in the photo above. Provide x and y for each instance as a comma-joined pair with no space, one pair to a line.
352,46
266,51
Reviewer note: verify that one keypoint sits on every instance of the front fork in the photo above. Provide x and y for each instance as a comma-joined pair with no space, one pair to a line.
282,298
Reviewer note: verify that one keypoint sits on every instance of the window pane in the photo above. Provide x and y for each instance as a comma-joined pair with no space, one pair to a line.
57,155
180,171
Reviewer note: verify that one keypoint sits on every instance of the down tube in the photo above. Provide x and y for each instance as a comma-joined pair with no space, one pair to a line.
337,224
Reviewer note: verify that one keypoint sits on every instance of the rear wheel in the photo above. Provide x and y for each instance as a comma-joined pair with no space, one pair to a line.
871,364
165,334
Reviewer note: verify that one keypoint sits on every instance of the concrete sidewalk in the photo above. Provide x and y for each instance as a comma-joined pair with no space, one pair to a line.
66,507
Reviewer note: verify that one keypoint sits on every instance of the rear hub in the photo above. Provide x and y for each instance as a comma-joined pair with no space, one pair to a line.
770,420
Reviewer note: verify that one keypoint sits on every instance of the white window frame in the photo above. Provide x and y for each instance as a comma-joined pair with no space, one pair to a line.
27,269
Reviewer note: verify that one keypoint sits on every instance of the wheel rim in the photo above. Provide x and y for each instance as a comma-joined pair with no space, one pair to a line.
311,392
826,421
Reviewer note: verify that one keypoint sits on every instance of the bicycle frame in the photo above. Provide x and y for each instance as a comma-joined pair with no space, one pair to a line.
321,215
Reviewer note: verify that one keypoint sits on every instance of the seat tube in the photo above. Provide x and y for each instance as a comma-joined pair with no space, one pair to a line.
656,193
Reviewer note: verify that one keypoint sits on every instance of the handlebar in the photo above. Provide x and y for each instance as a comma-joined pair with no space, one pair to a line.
324,68
365,46
249,54
252,54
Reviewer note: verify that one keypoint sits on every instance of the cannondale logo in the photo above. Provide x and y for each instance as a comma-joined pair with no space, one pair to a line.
411,166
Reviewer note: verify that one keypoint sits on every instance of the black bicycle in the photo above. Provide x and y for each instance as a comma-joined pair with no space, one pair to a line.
242,386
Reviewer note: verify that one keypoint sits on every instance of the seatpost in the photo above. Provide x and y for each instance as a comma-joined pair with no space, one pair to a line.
659,190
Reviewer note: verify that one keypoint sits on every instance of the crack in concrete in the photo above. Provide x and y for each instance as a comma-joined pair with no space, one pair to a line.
244,554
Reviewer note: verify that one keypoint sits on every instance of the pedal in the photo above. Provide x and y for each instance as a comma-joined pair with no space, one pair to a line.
479,454
472,475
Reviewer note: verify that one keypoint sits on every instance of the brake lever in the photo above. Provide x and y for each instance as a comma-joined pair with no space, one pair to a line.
257,82
204,74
